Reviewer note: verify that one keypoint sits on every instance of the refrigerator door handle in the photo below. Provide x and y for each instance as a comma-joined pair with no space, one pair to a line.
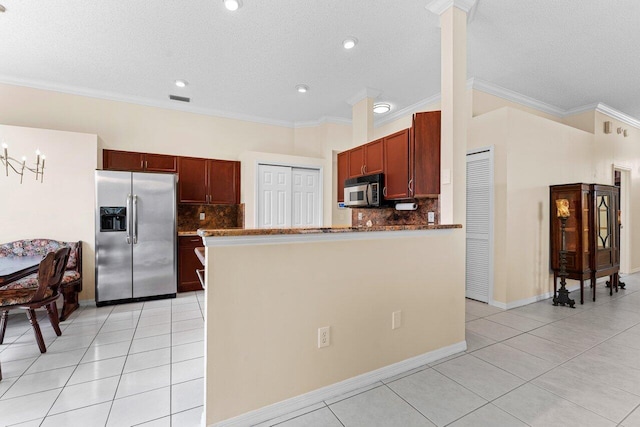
127,226
135,219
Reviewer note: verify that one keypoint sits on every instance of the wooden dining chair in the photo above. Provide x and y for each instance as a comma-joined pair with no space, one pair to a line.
31,296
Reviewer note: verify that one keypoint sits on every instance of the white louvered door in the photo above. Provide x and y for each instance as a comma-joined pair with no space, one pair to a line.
479,226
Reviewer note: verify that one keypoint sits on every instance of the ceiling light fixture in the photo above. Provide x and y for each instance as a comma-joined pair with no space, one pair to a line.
350,43
302,88
232,4
381,108
182,83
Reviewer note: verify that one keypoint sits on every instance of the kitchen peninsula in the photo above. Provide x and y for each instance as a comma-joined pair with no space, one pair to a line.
392,298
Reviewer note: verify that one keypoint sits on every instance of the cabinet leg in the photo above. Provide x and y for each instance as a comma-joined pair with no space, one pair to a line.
593,285
581,291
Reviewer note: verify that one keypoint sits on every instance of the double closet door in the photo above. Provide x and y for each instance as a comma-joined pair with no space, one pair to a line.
288,197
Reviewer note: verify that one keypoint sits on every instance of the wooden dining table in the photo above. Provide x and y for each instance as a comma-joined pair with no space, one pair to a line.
15,268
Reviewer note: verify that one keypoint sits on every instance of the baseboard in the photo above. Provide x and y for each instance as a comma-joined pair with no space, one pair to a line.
87,302
334,390
634,270
531,300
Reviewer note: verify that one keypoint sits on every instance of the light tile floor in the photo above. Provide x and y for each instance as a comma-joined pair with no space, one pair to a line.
131,364
142,364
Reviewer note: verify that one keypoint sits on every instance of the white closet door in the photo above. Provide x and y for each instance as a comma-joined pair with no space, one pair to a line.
306,197
274,196
479,263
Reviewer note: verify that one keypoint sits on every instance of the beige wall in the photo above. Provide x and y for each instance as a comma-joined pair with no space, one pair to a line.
60,208
262,321
531,153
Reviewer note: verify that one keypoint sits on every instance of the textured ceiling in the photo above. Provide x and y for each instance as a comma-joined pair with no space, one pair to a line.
565,53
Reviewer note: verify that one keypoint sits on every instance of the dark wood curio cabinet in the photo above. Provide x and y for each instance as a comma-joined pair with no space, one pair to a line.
592,233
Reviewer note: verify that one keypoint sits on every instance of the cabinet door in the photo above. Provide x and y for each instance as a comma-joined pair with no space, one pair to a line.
343,164
356,161
160,163
224,182
374,157
122,160
396,165
188,263
426,154
192,180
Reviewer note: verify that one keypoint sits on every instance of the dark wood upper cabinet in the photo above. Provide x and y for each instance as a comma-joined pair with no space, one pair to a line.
356,161
160,163
343,164
138,162
192,180
366,159
374,157
122,160
224,181
208,181
396,165
425,147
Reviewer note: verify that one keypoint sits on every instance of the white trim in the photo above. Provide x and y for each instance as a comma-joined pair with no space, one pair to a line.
618,115
417,107
165,104
634,270
316,235
367,92
510,95
527,301
321,121
440,6
625,201
334,390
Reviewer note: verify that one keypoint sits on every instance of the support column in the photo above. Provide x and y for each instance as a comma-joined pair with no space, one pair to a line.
454,106
362,115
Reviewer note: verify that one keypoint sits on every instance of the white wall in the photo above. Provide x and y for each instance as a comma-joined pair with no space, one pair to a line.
61,207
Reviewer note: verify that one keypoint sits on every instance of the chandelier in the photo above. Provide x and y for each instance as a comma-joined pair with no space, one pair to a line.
20,166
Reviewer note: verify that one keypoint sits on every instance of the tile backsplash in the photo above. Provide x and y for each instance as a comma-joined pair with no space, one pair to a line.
390,216
216,216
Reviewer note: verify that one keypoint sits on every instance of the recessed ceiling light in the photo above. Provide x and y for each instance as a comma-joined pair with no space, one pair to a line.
381,108
232,4
350,43
302,88
182,83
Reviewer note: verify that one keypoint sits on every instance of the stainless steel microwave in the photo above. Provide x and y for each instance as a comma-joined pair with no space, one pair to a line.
364,191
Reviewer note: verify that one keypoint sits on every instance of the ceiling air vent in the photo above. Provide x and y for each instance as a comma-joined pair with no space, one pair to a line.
179,98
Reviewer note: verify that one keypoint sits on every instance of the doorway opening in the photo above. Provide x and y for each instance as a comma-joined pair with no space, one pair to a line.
622,180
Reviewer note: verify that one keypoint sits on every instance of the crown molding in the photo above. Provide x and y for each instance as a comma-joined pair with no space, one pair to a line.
618,115
440,6
509,95
321,121
168,104
367,92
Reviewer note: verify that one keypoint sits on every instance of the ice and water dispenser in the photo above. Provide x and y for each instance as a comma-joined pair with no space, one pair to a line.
113,219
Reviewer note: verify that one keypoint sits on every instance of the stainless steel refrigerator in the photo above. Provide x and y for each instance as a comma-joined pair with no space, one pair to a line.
135,236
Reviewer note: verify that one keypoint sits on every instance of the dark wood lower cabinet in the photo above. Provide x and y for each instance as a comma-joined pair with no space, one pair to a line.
188,263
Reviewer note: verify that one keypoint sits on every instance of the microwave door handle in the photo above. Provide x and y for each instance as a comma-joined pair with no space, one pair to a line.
369,193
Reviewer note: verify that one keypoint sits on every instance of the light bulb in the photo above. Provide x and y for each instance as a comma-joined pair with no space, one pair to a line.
350,43
181,83
302,88
4,145
232,5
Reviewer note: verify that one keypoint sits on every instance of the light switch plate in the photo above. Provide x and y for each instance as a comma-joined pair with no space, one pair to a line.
431,217
201,216
396,319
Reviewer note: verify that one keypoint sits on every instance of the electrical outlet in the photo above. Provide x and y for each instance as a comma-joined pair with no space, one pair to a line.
324,336
201,216
359,216
431,217
396,319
